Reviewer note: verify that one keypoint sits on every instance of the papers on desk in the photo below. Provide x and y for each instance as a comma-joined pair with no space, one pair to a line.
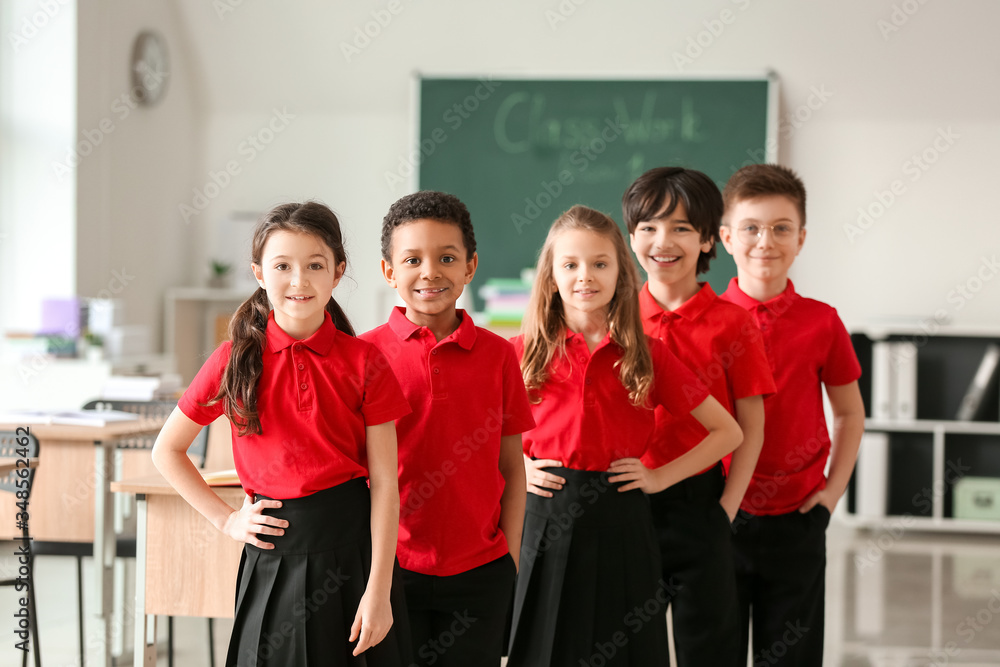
141,388
222,478
70,417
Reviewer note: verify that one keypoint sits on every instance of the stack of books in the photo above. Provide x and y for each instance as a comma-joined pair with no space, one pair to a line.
221,478
506,300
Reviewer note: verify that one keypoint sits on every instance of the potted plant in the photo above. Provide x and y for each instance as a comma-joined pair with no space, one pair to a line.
91,346
220,274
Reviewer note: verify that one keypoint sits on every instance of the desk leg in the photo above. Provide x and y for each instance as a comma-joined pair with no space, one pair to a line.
104,547
145,638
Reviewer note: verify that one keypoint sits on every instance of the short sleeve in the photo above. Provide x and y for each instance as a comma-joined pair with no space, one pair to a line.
750,372
675,387
516,410
841,365
383,400
517,342
204,388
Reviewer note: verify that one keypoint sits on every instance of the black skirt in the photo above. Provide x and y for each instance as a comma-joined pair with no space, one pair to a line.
589,590
295,604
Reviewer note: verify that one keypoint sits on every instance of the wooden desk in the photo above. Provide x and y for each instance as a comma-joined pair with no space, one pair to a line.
71,498
9,465
184,566
63,496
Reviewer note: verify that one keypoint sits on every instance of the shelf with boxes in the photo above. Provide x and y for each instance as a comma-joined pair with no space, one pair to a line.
931,452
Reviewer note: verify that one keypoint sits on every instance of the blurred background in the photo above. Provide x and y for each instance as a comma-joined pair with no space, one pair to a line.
889,110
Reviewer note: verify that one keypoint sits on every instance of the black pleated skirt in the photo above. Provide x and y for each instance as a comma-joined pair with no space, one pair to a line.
295,604
589,591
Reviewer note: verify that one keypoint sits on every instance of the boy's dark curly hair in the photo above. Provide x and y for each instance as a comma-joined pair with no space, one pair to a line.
428,204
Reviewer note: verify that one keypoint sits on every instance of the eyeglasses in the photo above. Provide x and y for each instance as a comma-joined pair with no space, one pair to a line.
782,232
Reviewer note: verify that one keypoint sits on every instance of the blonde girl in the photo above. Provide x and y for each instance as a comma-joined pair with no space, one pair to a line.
589,590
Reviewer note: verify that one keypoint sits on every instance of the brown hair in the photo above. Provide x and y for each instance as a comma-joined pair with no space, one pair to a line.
248,327
765,180
645,198
544,326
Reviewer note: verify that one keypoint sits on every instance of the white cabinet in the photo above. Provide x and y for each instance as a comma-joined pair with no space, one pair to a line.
195,323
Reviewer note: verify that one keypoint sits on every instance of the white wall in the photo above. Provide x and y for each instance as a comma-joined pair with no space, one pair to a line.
886,98
131,242
886,95
37,221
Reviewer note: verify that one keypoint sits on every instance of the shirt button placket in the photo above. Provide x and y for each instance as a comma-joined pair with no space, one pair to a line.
588,392
297,351
436,381
763,318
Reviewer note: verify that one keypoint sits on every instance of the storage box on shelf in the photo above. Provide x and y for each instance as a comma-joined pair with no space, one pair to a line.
930,458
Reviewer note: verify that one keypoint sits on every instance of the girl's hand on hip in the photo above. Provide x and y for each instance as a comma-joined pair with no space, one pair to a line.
249,521
538,480
372,622
636,474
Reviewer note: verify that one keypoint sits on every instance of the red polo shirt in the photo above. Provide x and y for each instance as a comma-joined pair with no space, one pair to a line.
466,393
722,345
585,418
807,346
314,397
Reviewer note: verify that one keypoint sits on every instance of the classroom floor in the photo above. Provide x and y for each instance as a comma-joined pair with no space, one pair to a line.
893,600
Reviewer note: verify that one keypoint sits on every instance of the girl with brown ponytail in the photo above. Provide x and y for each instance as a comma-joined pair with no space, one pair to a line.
589,587
312,410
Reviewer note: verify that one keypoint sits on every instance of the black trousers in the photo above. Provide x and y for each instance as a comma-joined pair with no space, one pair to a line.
696,551
780,580
461,620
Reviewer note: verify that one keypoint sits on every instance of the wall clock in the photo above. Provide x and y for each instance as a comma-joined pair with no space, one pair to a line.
150,67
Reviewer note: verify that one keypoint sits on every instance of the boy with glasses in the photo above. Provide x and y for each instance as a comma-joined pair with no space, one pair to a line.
780,533
673,216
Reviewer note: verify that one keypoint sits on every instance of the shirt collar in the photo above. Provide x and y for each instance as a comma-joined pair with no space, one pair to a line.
691,309
778,304
464,335
578,339
320,342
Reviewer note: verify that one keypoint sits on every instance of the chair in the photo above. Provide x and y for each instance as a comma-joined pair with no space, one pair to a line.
16,445
198,450
125,546
157,409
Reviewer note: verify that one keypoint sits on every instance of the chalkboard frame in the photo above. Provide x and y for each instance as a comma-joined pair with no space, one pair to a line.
770,147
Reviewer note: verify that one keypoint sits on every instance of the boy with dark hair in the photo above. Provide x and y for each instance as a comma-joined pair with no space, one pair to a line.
673,216
461,475
780,540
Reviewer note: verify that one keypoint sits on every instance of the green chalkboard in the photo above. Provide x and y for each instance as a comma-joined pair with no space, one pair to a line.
520,152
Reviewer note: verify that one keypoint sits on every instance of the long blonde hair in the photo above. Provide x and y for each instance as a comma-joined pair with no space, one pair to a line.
544,326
